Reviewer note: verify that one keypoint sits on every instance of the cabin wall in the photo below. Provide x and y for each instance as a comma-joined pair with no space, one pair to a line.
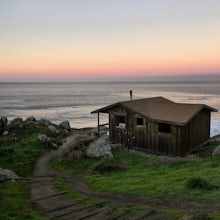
179,141
146,137
199,129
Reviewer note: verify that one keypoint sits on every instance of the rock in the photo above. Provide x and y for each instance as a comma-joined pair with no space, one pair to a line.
30,119
43,139
44,122
54,145
76,155
3,123
94,132
53,129
75,146
99,148
65,125
186,217
7,175
14,124
5,133
4,120
216,151
2,127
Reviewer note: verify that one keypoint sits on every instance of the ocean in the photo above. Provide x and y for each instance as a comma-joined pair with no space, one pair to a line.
75,101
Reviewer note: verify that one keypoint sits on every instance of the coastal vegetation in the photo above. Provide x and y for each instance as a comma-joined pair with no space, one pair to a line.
18,152
195,179
191,179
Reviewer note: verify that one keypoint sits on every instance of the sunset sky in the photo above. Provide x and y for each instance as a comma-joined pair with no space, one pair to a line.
71,39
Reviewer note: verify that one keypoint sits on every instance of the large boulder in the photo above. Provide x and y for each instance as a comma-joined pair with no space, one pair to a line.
7,175
99,148
216,151
3,123
75,146
65,125
14,124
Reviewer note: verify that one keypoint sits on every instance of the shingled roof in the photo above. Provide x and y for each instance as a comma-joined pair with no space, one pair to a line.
161,109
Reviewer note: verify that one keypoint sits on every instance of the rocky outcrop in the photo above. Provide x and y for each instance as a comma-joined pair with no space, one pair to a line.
30,119
75,146
17,123
65,125
54,129
99,148
3,124
79,146
216,151
6,174
14,124
44,122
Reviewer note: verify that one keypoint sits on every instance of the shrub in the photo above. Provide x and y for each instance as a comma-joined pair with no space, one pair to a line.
199,183
202,216
105,165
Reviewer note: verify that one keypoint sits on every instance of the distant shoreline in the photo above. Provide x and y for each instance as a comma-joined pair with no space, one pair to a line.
119,78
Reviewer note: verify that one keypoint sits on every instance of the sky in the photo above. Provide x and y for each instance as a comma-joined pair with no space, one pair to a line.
88,39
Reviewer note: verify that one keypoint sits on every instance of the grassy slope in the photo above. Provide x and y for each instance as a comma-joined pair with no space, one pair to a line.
19,156
139,176
142,176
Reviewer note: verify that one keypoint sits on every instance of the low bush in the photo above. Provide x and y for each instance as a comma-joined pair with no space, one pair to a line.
202,216
105,165
199,183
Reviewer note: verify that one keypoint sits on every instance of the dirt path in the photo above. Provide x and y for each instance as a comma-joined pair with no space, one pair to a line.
57,204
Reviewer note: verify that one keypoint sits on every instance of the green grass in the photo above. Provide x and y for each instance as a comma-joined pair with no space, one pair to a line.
143,176
20,156
136,175
14,203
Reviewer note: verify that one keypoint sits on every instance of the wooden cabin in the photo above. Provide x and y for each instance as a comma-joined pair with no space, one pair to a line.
158,125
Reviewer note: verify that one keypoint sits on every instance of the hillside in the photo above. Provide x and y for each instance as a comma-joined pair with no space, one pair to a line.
171,187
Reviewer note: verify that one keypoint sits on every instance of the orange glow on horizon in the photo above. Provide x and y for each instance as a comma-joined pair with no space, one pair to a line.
109,60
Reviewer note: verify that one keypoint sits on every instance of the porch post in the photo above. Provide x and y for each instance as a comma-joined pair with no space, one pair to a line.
98,125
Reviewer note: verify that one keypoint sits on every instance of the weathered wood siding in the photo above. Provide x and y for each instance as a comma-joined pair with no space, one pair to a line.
197,131
179,141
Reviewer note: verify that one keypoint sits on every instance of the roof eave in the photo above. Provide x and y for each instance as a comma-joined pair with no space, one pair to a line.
106,108
210,108
202,107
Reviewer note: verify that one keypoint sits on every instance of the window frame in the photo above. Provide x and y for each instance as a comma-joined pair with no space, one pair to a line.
117,122
136,120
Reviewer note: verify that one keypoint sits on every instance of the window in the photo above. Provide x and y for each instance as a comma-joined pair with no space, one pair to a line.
139,121
165,128
120,121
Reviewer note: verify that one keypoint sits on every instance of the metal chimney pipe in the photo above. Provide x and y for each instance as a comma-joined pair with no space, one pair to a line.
131,95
